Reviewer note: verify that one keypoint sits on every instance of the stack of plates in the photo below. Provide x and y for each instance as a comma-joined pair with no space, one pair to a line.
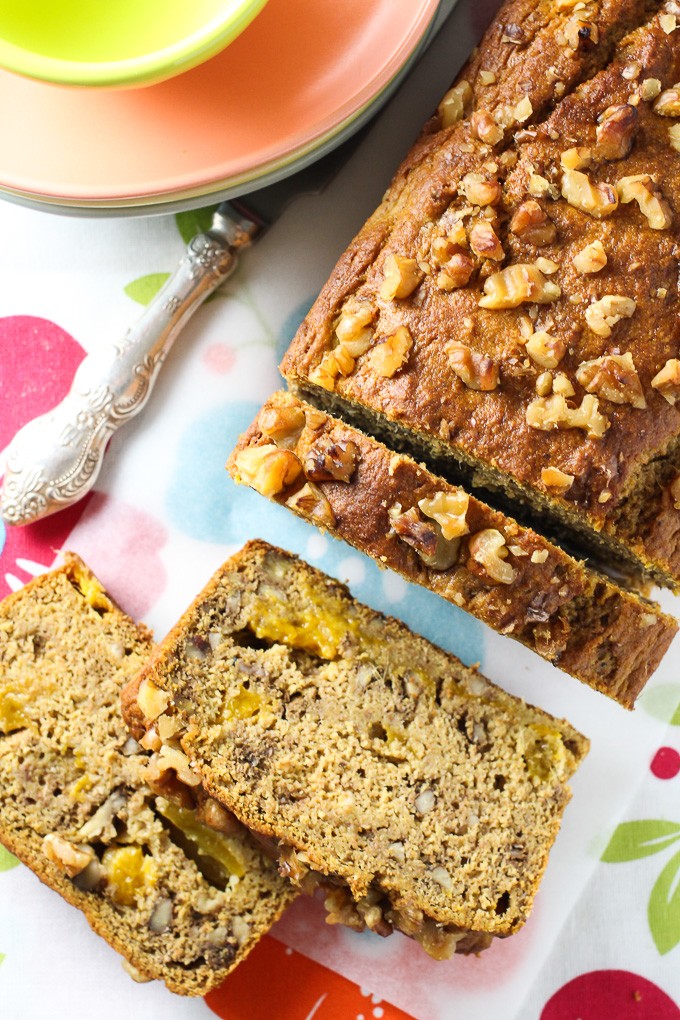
302,77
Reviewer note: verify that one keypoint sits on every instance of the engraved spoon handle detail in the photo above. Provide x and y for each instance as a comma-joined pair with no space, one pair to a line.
55,459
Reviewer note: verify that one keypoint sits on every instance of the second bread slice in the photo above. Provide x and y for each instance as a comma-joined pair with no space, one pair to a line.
419,795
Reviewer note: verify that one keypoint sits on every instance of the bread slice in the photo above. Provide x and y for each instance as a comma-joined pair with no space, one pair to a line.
179,900
510,312
420,796
441,536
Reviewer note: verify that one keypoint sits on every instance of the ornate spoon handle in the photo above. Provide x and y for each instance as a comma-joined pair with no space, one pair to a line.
55,459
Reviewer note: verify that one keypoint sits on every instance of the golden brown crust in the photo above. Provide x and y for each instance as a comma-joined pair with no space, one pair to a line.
622,454
589,627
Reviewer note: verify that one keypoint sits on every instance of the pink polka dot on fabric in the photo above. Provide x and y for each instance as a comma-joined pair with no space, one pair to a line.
610,995
219,358
665,763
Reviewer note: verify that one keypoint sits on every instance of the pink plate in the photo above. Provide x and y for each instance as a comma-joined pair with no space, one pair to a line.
302,69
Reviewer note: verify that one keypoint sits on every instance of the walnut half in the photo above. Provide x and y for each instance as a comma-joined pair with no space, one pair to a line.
331,461
604,314
642,188
516,285
598,200
613,377
448,509
477,371
553,412
616,131
267,469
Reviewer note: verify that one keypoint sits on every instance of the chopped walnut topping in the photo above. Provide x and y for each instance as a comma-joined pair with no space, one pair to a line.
334,363
523,110
553,412
331,461
602,315
68,857
562,385
642,188
674,136
315,419
613,377
309,501
355,316
616,130
577,158
457,272
425,537
477,371
547,266
539,555
547,351
650,89
631,72
480,190
151,700
598,200
581,34
668,103
544,384
267,469
485,242
485,128
391,353
668,23
448,509
453,106
488,549
540,187
282,424
532,224
517,284
591,259
667,380
402,276
487,77
557,481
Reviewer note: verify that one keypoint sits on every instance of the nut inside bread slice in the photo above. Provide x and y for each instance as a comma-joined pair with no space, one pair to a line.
443,537
417,794
166,875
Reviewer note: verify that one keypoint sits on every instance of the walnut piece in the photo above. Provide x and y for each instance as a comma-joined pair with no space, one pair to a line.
577,158
283,424
401,277
171,758
674,136
457,272
151,700
668,103
355,316
602,315
642,188
562,384
613,377
327,460
517,284
598,200
391,353
453,106
488,549
485,128
477,371
667,380
480,190
425,537
557,481
309,501
267,469
591,259
532,224
485,242
553,412
616,130
545,350
71,859
580,34
448,509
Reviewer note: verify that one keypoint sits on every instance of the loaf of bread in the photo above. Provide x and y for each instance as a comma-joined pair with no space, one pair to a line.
166,875
417,794
510,312
441,536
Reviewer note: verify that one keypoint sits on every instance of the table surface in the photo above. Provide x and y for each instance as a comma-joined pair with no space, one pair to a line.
604,937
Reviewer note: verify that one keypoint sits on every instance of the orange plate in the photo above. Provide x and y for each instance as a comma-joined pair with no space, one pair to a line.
302,69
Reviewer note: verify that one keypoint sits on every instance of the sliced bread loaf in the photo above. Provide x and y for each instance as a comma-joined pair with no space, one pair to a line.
167,876
419,795
442,537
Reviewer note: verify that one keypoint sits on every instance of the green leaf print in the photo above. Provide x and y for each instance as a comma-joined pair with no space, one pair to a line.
2,957
664,907
193,222
7,860
675,718
633,840
144,288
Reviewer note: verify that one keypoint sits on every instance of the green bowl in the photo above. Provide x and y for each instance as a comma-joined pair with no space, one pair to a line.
116,42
